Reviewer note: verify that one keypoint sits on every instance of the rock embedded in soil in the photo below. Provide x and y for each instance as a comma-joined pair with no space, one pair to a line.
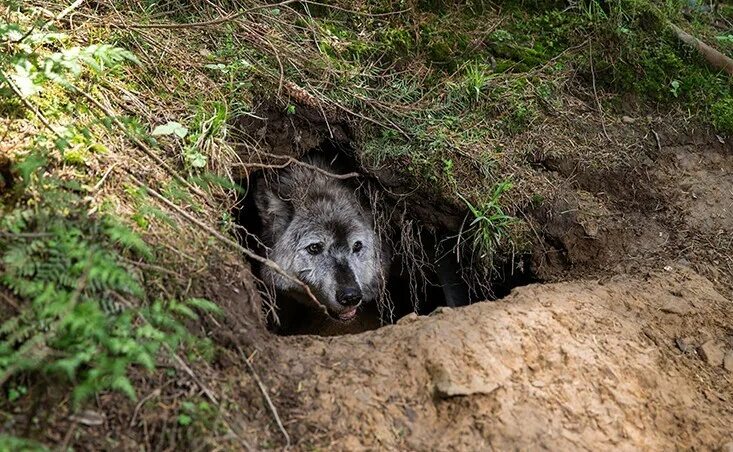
677,306
712,353
728,362
686,344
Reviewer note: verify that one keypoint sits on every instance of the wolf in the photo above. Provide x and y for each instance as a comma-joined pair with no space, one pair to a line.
315,227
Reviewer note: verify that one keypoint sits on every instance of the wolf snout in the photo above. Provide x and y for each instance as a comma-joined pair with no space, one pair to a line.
349,296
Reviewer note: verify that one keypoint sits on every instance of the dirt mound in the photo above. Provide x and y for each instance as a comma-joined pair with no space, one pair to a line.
569,365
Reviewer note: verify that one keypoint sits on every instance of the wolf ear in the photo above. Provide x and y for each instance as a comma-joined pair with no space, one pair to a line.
275,213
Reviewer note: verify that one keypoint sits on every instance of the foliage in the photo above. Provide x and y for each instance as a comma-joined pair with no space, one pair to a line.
75,309
8,442
36,62
489,228
82,314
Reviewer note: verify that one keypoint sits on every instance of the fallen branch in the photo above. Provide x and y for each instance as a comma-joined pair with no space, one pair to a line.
712,56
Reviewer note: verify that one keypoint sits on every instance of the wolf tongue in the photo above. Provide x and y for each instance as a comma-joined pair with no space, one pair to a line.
347,315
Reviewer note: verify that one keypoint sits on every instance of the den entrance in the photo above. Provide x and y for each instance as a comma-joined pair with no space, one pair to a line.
431,265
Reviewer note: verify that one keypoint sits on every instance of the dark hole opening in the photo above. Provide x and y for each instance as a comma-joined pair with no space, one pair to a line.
440,283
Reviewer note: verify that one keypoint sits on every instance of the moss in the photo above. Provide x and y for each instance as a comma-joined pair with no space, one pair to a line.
722,114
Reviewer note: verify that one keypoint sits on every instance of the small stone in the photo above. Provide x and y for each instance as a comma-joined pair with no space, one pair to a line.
628,119
712,353
728,363
676,306
409,318
441,309
685,344
89,418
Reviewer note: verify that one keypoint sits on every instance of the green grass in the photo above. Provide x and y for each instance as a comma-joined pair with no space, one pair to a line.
489,230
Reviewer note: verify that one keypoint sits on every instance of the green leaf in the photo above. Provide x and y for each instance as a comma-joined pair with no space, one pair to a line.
123,385
171,128
196,159
25,79
184,420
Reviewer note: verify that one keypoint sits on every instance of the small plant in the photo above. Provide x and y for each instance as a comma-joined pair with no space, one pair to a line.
196,416
476,78
675,88
489,228
81,317
79,314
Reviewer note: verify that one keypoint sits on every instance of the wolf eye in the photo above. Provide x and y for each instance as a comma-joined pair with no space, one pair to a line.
357,247
314,248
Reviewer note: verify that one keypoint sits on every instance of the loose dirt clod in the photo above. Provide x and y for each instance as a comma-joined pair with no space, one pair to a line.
728,362
676,306
712,353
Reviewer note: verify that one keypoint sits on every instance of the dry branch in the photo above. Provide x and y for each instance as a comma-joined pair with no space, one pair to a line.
712,56
293,161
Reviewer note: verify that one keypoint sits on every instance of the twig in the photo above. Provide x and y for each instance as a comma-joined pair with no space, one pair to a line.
656,138
156,268
154,393
290,161
595,93
9,301
69,9
711,55
182,364
266,396
69,434
99,184
26,235
217,235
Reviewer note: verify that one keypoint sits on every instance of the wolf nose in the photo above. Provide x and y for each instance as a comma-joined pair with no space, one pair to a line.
349,296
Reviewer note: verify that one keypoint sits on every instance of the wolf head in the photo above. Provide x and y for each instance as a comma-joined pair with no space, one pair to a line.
317,231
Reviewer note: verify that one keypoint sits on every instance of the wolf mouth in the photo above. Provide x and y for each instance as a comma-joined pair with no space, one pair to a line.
348,315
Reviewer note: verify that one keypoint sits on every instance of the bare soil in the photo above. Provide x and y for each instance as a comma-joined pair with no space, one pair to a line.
561,366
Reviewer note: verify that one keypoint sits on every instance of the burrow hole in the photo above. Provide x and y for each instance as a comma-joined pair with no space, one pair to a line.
426,272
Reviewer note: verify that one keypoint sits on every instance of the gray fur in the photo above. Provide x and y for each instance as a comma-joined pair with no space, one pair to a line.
301,207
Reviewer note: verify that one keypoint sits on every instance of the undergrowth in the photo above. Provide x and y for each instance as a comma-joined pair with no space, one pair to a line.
77,318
